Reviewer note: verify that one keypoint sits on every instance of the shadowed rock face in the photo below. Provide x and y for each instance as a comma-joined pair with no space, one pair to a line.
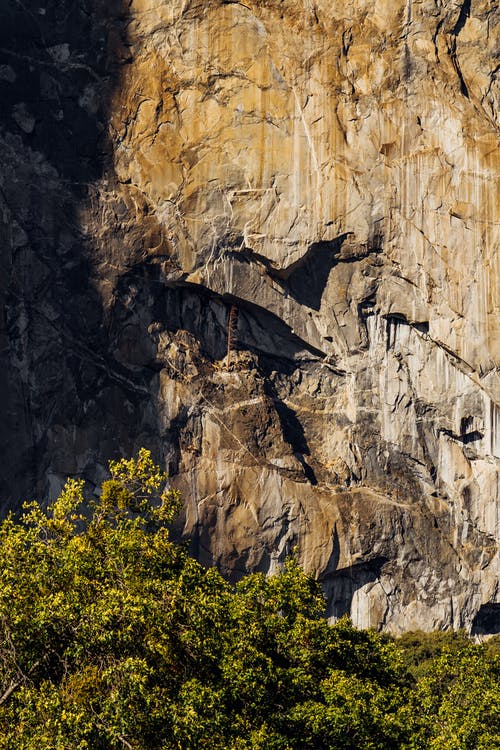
329,171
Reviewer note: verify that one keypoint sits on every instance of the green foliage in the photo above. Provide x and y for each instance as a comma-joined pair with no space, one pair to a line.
112,637
456,706
420,650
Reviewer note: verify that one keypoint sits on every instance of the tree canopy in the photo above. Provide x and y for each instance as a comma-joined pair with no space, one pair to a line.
111,636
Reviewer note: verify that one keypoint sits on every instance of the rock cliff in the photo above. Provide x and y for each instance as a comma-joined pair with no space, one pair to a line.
316,181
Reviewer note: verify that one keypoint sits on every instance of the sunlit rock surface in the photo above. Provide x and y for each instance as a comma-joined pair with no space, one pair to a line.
328,171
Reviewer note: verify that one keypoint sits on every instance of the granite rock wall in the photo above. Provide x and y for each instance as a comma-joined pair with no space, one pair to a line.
328,172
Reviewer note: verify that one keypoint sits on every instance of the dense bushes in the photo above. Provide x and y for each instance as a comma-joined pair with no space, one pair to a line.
112,637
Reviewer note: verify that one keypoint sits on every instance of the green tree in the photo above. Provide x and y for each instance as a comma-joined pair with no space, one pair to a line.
420,650
456,705
112,637
82,613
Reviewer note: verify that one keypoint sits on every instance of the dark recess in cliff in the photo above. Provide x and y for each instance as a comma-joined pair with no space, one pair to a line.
60,64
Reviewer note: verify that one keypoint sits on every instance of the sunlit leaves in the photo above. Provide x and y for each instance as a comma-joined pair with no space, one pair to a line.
112,638
456,705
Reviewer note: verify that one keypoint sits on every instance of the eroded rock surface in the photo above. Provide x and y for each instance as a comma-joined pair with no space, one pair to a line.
329,172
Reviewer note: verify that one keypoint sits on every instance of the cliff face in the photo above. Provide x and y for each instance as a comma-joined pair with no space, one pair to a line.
328,172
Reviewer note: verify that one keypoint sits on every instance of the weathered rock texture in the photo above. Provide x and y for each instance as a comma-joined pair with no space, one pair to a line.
327,170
